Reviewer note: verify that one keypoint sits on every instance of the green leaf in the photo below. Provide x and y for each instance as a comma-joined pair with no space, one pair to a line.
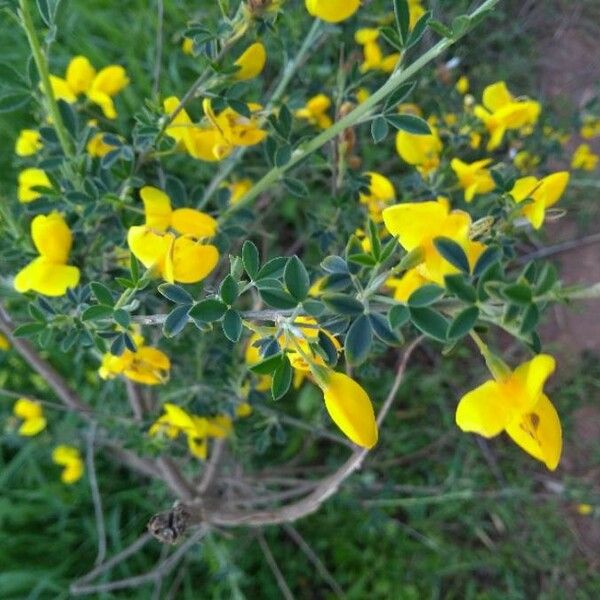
490,255
401,93
426,295
283,155
276,296
296,278
402,18
458,285
175,293
273,267
250,259
29,329
409,123
228,290
176,321
519,293
102,293
365,260
463,322
267,366
375,240
282,379
398,316
429,322
412,259
460,25
418,30
379,129
97,312
343,304
122,318
313,307
358,340
232,325
208,310
546,279
13,101
382,329
10,77
453,253
328,347
118,345
440,28
334,264
296,187
531,318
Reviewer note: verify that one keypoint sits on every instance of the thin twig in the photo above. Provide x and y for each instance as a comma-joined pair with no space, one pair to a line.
159,45
211,466
279,578
559,248
314,559
134,395
162,569
174,479
96,498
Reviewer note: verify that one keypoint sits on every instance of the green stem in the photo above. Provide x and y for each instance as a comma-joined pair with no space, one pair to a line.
396,79
42,68
288,72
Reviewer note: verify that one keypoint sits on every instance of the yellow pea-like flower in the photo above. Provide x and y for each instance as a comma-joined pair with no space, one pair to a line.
69,458
238,188
422,151
516,403
251,62
350,408
544,193
32,414
28,143
380,195
80,74
583,158
315,111
48,274
404,286
462,85
332,11
29,179
473,177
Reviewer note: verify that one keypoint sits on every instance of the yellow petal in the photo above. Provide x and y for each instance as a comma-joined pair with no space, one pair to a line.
318,104
33,426
404,286
110,80
97,147
29,142
418,149
237,189
52,237
365,35
4,343
350,408
220,426
483,410
532,375
496,95
149,366
47,278
27,409
189,221
149,247
61,90
104,101
553,187
80,74
28,179
332,11
157,208
178,417
192,261
72,472
198,446
63,455
251,62
539,433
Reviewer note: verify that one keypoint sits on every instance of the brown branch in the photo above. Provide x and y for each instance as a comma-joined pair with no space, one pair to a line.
279,578
205,511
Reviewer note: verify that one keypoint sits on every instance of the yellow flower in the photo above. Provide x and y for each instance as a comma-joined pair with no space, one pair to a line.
373,56
362,94
315,111
237,189
350,408
179,258
29,142
474,178
404,286
176,421
585,509
501,111
516,403
29,179
146,365
590,128
99,87
252,357
4,343
381,194
422,151
187,46
462,85
526,161
97,147
70,459
583,158
417,224
251,62
32,414
49,273
332,11
544,193
218,135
